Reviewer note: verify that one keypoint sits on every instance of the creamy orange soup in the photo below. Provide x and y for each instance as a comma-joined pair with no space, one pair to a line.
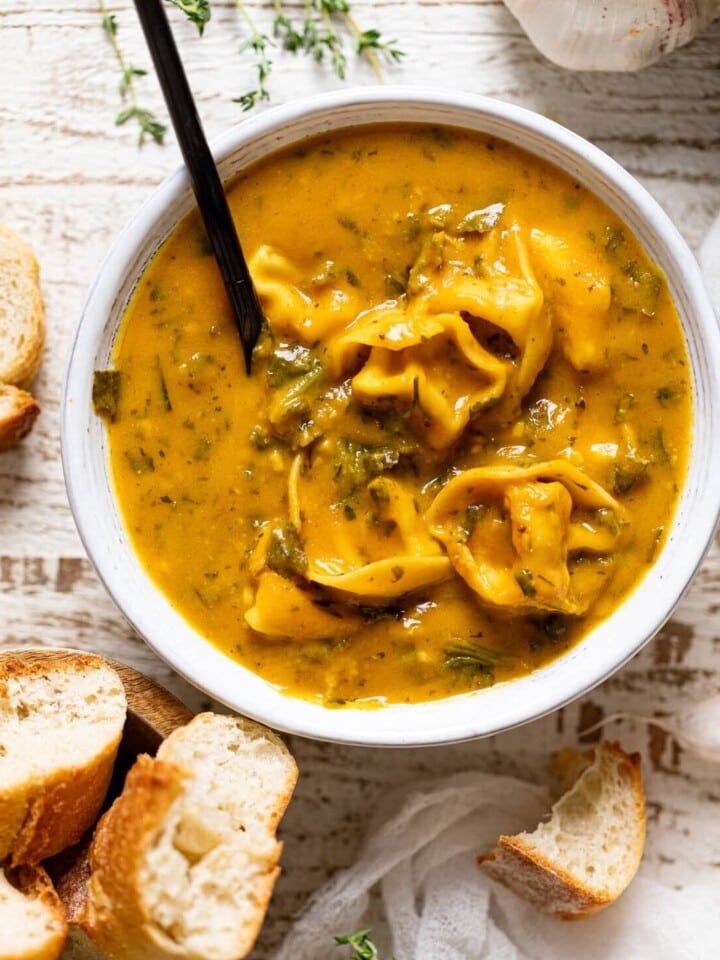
463,437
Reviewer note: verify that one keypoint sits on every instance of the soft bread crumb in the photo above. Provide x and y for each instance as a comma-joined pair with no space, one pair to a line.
75,707
72,713
587,830
588,851
184,862
206,904
32,924
216,855
222,749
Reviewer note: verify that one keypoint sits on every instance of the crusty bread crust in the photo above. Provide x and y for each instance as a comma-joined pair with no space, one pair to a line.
118,916
60,813
520,863
35,885
70,873
18,413
41,816
22,311
115,916
540,881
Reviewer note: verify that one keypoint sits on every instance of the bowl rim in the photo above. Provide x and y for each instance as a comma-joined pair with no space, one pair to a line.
466,716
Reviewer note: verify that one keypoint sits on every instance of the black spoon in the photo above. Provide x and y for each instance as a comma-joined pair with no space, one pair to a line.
203,174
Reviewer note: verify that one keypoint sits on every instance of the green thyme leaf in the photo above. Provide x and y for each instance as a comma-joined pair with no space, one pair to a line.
361,943
197,11
148,124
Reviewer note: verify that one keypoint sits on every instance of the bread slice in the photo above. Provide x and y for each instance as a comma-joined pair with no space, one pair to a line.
32,923
586,854
18,412
22,312
60,725
184,862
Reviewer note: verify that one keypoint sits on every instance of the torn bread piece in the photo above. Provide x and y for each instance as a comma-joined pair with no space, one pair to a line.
585,855
60,726
18,412
184,862
32,922
22,312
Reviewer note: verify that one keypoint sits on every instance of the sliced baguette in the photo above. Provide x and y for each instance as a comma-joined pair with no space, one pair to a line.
22,313
586,854
18,412
184,862
60,726
32,922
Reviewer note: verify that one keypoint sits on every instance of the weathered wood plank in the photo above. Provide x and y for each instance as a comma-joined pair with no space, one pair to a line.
69,179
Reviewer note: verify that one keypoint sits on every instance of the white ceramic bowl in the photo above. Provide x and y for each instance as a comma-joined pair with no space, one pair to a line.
469,715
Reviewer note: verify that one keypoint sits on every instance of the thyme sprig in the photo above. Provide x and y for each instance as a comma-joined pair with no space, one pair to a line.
320,32
320,36
259,43
361,943
147,122
197,12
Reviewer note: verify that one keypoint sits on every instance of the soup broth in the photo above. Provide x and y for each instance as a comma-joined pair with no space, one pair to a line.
464,433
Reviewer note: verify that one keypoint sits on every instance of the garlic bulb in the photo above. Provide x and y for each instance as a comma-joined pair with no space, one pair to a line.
611,34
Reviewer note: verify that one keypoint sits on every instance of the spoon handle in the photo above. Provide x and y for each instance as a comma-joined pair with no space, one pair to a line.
203,174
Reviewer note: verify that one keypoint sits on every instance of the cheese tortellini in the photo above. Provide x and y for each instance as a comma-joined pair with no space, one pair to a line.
431,364
578,292
464,342
460,340
295,311
469,331
529,538
377,546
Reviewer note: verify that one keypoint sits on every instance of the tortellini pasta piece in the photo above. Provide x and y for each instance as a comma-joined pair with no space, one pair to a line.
285,610
291,312
430,351
529,538
470,330
371,545
504,293
431,365
579,295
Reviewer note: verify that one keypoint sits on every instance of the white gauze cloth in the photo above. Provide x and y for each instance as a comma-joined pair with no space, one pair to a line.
416,883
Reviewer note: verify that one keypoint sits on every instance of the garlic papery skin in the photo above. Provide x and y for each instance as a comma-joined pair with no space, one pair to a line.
696,729
611,34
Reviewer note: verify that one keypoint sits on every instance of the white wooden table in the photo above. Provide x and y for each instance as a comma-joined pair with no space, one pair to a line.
69,179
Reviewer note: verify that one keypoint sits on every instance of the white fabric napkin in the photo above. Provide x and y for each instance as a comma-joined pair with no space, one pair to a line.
416,883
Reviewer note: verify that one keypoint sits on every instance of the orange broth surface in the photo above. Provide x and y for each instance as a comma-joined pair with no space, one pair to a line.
392,520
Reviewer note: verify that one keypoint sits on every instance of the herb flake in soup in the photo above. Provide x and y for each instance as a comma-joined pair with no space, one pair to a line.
463,437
